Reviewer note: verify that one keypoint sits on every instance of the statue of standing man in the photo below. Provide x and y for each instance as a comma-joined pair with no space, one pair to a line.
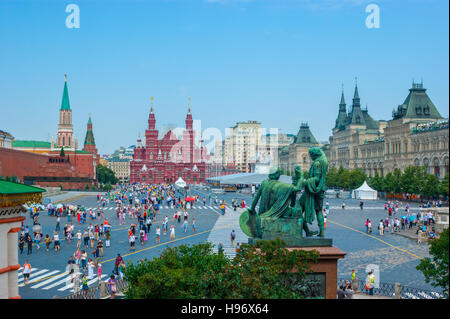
310,203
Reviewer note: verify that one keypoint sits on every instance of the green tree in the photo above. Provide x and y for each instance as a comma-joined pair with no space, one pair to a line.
443,189
436,270
332,177
388,183
431,186
408,180
258,271
343,178
105,175
61,153
356,178
376,182
396,181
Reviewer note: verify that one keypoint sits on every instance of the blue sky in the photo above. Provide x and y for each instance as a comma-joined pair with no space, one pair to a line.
280,62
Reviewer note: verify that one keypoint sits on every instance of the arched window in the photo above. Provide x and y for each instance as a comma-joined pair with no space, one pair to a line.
426,163
445,165
437,170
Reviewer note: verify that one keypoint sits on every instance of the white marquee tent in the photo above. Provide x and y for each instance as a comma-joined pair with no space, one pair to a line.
365,192
180,183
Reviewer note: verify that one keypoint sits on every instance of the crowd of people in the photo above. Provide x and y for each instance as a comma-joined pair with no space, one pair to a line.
398,220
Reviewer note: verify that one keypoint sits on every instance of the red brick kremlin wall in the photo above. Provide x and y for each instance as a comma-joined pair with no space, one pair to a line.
45,170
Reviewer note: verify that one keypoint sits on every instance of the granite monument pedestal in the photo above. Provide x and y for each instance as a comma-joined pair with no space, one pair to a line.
322,281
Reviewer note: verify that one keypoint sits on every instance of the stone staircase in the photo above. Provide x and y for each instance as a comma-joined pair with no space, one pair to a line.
222,229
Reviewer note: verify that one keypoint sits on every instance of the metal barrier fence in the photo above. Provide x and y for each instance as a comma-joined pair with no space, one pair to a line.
100,291
392,290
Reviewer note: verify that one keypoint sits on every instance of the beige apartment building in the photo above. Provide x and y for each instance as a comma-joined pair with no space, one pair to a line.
241,144
120,167
119,163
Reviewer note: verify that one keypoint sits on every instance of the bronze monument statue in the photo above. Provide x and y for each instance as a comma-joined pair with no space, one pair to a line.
281,214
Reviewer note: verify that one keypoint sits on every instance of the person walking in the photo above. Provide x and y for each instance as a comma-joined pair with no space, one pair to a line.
220,248
193,225
47,241
26,272
117,262
29,244
92,238
158,234
86,238
77,255
132,240
107,237
56,244
142,236
232,237
185,225
99,272
21,243
353,277
37,240
83,259
100,248
112,286
75,279
172,232
58,220
84,286
149,223
381,227
370,283
90,266
78,236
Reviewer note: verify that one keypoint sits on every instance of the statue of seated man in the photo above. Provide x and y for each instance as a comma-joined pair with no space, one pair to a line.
277,200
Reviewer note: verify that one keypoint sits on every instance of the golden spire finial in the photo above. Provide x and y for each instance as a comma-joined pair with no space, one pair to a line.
151,103
65,77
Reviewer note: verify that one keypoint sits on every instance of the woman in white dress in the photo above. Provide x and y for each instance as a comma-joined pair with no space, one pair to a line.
91,268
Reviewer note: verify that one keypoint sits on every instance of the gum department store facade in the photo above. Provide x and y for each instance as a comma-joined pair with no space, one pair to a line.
416,135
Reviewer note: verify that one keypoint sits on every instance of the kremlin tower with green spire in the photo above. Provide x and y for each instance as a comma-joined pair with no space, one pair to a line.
89,141
65,128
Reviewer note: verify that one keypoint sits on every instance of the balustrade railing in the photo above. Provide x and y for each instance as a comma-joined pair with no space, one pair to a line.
392,290
99,291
